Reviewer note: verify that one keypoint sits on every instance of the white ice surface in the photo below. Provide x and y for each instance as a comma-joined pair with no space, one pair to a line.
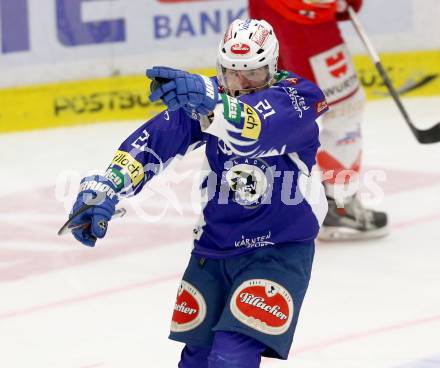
371,304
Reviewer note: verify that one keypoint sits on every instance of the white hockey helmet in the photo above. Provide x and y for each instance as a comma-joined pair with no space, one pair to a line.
248,45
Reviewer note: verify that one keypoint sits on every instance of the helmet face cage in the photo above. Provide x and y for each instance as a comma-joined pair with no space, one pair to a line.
248,45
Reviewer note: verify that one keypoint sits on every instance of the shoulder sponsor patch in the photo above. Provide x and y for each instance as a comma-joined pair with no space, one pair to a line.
321,106
263,305
129,164
298,100
232,108
252,123
293,81
189,310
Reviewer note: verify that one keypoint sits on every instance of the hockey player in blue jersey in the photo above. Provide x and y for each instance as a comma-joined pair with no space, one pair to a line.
249,270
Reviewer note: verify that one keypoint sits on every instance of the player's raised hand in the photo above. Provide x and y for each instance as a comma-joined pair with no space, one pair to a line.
184,90
93,208
163,85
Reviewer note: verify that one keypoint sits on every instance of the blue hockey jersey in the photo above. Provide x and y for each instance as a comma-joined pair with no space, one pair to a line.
260,149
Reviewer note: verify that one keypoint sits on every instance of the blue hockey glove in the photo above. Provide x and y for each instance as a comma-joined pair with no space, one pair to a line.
184,90
93,208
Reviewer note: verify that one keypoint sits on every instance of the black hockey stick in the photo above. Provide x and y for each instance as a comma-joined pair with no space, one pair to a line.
431,135
68,226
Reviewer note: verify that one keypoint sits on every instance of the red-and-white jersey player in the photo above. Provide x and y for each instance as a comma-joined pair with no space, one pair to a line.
311,45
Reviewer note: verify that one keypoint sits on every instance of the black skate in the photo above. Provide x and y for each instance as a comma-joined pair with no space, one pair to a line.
352,222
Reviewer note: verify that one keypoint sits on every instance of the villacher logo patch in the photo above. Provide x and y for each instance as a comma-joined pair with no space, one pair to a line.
263,305
189,310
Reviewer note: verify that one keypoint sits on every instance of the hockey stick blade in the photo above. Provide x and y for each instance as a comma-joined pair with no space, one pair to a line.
68,226
427,136
424,136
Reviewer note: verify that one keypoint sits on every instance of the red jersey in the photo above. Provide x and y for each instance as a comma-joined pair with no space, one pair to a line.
304,29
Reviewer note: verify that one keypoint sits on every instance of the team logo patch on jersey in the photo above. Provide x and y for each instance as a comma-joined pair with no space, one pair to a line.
251,181
263,305
189,310
240,48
